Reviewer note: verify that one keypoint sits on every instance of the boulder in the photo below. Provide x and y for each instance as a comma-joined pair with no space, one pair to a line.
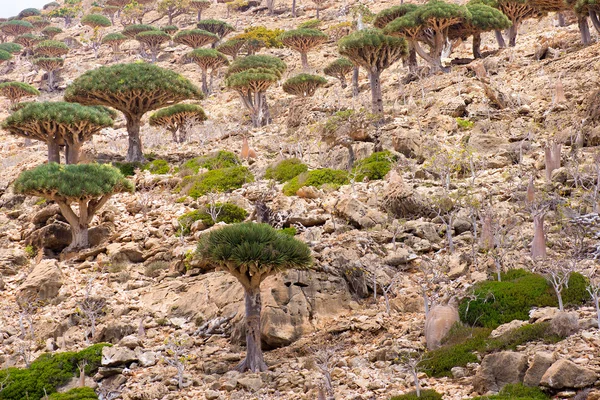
438,323
564,324
358,213
124,252
114,332
500,369
57,236
509,326
540,364
113,356
566,374
41,217
403,202
408,142
11,260
43,283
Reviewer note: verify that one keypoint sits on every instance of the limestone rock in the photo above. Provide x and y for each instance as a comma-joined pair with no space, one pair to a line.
124,252
540,364
358,213
564,324
43,283
505,328
11,260
113,356
500,369
249,382
566,374
438,323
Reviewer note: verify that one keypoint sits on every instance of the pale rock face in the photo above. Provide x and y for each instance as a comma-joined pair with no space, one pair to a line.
565,374
43,283
438,323
500,369
540,364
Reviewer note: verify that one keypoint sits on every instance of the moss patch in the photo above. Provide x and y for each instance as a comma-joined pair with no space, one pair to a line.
220,159
285,170
218,180
157,167
376,166
317,178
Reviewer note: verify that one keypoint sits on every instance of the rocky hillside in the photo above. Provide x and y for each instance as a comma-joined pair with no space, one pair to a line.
487,169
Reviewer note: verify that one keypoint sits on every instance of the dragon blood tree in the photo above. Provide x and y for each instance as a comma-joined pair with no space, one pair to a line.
250,77
29,12
584,9
12,48
303,85
173,8
374,51
50,48
89,186
15,91
195,38
231,47
199,6
51,31
16,27
219,28
388,15
38,22
251,253
50,65
169,29
114,40
96,22
117,3
110,11
339,69
517,11
208,59
58,124
153,40
28,40
176,118
482,18
303,40
132,30
134,89
4,56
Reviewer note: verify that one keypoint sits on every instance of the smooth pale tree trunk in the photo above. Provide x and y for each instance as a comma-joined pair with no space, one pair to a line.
254,357
530,197
79,225
205,89
134,152
538,244
53,152
500,39
476,45
355,81
486,242
50,81
199,15
72,153
584,30
304,58
174,133
376,100
552,159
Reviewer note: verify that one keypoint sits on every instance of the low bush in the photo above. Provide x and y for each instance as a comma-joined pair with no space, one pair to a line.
376,166
48,372
217,180
230,214
500,302
517,391
285,170
317,178
220,159
464,124
128,168
83,393
428,394
157,167
289,231
154,269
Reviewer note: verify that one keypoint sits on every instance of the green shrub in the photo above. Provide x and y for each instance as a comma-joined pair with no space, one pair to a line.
289,231
83,393
428,394
230,214
157,167
30,251
376,166
128,168
500,302
285,170
48,372
517,391
333,122
218,160
217,180
310,24
464,124
154,269
316,178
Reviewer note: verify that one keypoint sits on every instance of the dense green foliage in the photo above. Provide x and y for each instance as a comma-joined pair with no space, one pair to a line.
232,46
195,37
83,393
376,166
217,180
157,167
16,27
313,35
218,160
152,37
517,391
5,56
16,90
96,21
131,30
127,168
273,65
77,181
310,24
29,12
51,48
285,170
317,178
115,37
485,18
370,48
58,112
386,16
512,298
428,394
175,116
51,31
208,58
227,212
291,231
253,248
170,29
49,63
303,85
27,40
12,48
219,28
256,37
49,372
339,68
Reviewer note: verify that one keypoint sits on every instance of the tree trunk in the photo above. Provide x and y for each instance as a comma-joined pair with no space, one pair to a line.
355,81
500,39
512,34
153,55
199,15
174,133
293,8
343,81
317,12
72,152
476,45
134,152
486,241
376,100
412,59
584,30
552,159
538,244
436,52
170,19
304,58
351,156
594,18
561,307
53,152
204,83
254,360
80,238
561,19
50,81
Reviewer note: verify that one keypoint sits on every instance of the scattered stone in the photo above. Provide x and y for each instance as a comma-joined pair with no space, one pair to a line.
540,364
113,356
252,383
498,370
509,326
43,283
438,323
565,374
564,324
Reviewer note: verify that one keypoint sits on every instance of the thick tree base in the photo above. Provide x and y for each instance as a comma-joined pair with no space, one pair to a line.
252,366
